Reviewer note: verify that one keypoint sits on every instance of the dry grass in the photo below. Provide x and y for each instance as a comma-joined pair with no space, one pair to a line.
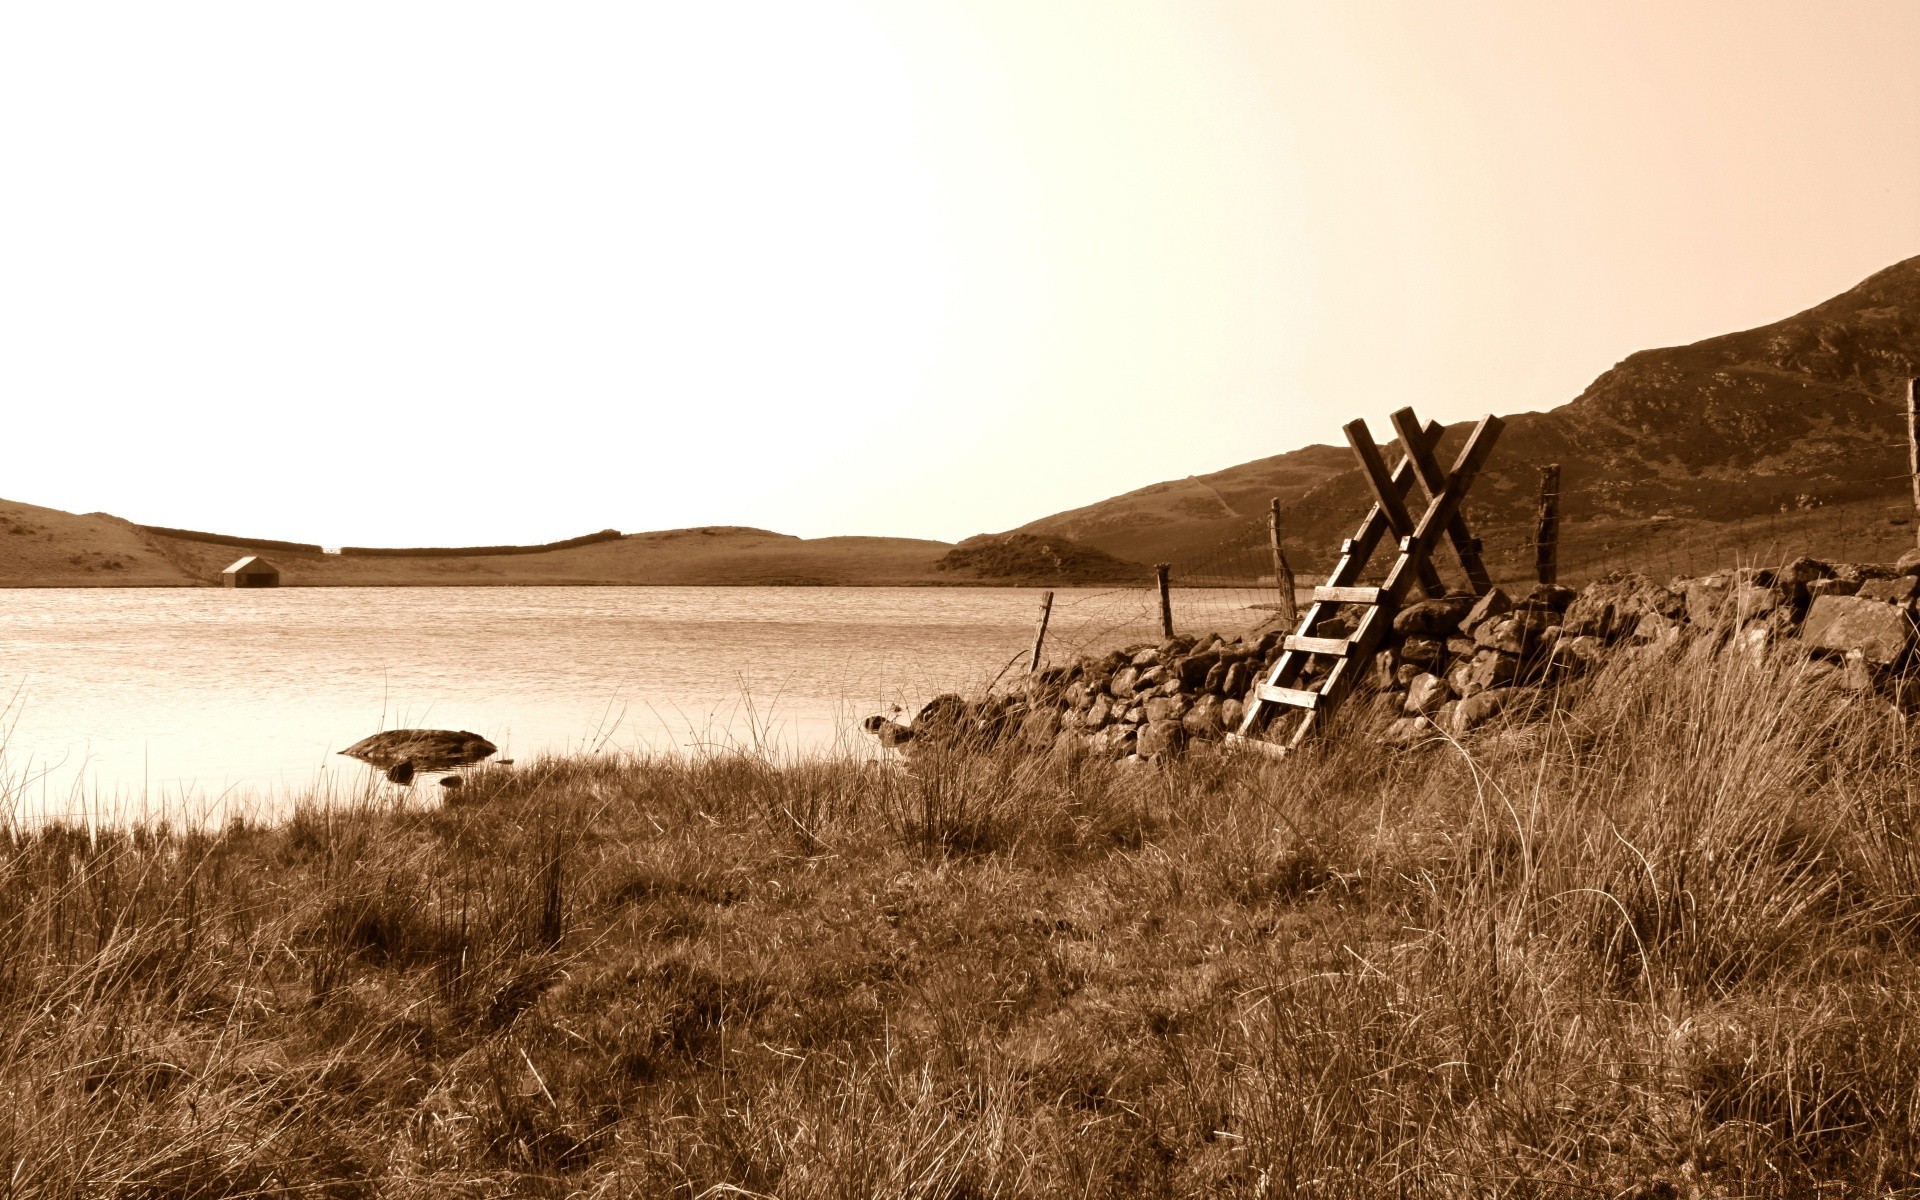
1665,942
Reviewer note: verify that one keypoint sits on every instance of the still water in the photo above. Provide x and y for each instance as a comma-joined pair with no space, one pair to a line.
124,703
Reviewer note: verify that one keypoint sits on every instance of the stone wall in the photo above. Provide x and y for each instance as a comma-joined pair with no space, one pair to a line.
1450,665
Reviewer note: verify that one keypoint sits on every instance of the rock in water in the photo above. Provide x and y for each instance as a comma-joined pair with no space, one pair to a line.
401,772
892,734
421,749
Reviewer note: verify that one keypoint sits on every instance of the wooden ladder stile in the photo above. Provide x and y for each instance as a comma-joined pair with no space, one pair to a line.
1285,686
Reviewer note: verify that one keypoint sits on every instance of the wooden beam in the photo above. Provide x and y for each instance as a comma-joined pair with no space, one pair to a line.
1040,634
1913,449
1466,547
1346,595
1166,598
1296,697
1282,569
1546,537
1318,645
1388,496
1441,512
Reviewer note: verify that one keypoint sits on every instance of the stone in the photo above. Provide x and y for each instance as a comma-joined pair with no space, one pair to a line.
1076,695
1491,669
1803,570
1423,651
1231,713
1518,633
1406,673
1192,670
1123,682
1166,687
1496,603
1656,629
1100,713
1476,711
1114,742
1751,600
1898,590
1460,678
1839,624
1908,563
1407,731
1833,587
1039,728
1148,679
1856,673
1134,715
1586,650
1161,739
1216,676
1069,746
1203,719
1236,679
452,783
1462,647
1425,695
1610,608
1146,658
1174,647
1435,618
1165,708
1548,597
1707,600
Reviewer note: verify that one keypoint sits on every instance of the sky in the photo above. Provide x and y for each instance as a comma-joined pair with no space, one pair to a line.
407,273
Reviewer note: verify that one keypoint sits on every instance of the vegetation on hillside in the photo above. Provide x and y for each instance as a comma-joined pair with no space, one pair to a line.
1028,558
1664,942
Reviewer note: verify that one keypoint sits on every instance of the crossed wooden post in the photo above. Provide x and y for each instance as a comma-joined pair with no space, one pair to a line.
1286,688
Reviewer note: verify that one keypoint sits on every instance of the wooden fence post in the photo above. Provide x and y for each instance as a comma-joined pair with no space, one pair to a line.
1040,634
1546,541
1913,449
1166,599
1282,570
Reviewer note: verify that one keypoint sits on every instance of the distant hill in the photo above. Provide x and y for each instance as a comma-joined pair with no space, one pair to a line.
44,547
1805,410
1036,558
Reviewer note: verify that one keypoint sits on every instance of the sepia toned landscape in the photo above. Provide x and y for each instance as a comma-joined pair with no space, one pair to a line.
603,669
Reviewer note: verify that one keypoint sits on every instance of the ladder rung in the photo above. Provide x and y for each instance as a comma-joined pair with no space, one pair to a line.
1346,595
1263,746
1319,645
1285,695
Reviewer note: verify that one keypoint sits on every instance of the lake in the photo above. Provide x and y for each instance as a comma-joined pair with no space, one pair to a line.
124,703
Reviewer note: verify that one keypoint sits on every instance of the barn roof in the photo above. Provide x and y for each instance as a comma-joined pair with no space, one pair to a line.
249,563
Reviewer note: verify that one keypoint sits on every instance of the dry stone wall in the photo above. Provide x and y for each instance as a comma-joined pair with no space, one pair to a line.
1451,664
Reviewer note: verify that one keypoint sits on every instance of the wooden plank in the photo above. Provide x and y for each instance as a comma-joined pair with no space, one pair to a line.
1282,569
1295,697
1346,595
1391,499
1465,546
1260,745
1441,512
1546,534
1388,496
1318,645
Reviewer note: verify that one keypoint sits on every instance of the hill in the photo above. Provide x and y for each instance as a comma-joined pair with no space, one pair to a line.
1805,411
45,547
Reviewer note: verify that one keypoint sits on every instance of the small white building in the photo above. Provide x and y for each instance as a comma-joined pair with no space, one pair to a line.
252,572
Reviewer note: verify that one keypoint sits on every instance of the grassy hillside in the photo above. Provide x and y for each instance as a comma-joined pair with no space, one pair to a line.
1661,944
1730,428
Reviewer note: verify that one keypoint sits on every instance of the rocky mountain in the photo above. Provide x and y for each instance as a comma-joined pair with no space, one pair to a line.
1808,410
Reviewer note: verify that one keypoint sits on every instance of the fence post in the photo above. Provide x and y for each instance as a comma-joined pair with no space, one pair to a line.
1040,634
1166,599
1913,449
1546,540
1282,570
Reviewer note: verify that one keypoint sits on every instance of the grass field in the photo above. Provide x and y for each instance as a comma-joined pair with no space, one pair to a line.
1665,943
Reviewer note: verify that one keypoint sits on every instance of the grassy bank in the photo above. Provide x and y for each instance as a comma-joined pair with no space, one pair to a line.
1663,943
